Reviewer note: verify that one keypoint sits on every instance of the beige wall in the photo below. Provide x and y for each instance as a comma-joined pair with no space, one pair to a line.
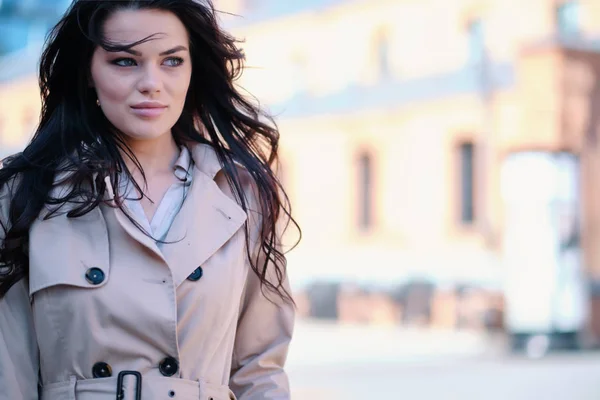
416,165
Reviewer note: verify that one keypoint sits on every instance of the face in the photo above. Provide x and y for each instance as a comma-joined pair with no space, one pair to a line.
142,92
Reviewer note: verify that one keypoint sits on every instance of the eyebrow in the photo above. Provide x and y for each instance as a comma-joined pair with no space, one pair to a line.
164,53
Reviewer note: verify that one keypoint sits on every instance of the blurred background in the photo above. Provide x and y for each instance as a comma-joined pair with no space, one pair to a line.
442,159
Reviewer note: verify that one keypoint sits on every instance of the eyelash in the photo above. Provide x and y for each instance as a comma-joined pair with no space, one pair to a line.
118,61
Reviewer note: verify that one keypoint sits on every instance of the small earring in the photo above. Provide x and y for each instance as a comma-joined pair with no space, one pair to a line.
98,102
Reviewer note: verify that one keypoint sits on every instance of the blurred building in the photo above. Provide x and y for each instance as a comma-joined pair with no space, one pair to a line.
397,116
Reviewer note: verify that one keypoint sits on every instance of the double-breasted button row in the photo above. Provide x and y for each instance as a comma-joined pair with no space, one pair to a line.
167,367
96,276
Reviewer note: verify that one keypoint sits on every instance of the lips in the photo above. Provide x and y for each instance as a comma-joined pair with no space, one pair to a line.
148,109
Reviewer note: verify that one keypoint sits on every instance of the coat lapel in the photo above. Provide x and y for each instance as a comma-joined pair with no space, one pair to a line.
128,226
207,220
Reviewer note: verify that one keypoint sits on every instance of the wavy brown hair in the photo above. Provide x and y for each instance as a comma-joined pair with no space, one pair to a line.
75,137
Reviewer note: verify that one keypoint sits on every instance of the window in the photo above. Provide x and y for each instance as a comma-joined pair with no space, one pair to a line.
467,178
567,19
382,47
476,42
365,191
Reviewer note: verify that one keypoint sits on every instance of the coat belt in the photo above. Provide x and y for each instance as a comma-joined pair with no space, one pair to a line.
153,388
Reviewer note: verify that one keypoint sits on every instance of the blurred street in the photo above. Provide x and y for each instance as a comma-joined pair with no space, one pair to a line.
430,365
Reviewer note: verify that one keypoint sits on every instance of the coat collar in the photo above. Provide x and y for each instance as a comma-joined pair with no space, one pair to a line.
208,218
207,221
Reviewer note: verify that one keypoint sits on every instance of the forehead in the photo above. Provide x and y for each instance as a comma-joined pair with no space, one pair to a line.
127,26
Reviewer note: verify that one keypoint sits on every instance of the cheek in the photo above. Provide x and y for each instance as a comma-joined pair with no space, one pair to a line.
113,94
181,85
113,88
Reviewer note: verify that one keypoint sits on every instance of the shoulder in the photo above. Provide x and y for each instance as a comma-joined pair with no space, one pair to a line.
235,181
210,164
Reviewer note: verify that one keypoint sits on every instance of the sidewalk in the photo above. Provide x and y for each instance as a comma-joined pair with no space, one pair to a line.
320,343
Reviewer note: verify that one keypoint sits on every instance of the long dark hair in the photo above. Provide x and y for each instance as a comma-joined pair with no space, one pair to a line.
75,137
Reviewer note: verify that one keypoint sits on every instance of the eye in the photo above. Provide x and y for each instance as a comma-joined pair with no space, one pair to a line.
174,61
124,62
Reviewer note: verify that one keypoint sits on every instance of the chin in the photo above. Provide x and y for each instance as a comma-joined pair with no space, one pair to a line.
147,133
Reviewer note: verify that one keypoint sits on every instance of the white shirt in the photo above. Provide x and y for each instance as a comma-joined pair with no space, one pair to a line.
169,205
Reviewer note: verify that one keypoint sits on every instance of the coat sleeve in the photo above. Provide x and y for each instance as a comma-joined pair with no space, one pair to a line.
264,332
263,336
18,346
19,359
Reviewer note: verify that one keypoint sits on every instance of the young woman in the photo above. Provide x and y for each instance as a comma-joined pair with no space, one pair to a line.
141,253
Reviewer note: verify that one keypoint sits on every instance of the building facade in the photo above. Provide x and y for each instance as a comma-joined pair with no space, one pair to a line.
396,119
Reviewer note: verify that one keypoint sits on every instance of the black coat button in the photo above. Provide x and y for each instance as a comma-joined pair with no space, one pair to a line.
196,275
95,276
101,370
168,367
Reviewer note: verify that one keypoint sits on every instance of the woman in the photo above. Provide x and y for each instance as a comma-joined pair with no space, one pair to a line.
140,254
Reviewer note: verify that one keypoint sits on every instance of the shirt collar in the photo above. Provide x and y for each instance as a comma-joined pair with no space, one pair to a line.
200,156
182,167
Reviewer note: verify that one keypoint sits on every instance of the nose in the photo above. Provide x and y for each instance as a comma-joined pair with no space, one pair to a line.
150,80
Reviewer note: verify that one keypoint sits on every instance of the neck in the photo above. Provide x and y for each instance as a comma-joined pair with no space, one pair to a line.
155,156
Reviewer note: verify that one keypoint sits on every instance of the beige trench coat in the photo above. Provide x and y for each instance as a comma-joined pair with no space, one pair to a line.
102,299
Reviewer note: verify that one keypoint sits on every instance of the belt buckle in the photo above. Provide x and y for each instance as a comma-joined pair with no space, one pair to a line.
138,385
